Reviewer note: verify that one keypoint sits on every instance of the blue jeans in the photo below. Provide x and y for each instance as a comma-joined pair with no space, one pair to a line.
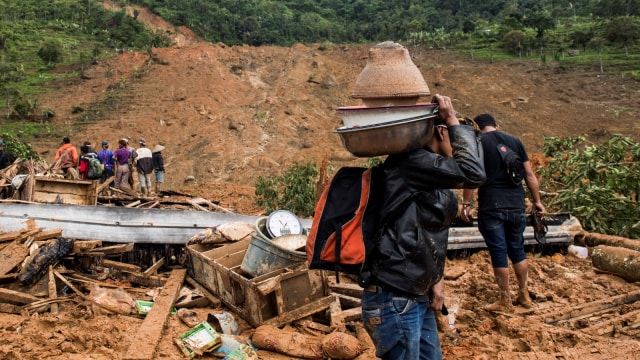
401,328
502,231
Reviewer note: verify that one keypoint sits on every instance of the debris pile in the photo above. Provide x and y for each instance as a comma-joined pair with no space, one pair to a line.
38,181
227,312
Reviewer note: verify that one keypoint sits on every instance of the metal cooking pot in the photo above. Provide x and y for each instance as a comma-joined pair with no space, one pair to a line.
391,137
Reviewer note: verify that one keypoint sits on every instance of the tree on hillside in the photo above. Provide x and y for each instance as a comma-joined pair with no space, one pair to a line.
611,8
623,30
540,22
516,41
581,38
51,52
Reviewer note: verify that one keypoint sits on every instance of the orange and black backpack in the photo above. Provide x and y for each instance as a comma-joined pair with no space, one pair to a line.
346,217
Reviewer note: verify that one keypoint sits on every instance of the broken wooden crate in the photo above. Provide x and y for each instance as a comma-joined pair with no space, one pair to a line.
62,191
275,298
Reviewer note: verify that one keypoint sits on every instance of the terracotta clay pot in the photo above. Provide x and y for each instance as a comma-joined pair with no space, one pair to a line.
390,78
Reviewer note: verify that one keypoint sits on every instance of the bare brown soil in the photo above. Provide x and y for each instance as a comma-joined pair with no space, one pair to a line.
228,115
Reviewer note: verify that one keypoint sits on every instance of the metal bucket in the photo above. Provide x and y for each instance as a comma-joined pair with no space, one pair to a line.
263,256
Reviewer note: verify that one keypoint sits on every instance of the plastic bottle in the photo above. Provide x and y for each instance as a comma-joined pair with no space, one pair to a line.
578,251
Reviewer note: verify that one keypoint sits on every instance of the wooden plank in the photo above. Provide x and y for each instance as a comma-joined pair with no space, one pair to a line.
349,289
348,301
120,265
133,204
152,327
48,234
105,184
10,236
16,297
114,249
214,300
153,268
53,292
60,188
12,255
53,198
592,307
84,245
25,235
152,281
303,311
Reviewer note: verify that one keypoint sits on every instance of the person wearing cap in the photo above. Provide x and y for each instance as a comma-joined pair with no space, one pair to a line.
88,145
4,157
158,164
144,166
106,158
67,155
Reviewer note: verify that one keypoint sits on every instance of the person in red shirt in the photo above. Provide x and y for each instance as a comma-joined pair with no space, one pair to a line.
84,162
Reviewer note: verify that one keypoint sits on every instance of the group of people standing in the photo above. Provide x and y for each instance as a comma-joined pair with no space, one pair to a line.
119,163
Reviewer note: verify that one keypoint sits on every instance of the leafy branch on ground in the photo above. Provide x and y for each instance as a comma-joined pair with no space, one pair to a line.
17,149
596,183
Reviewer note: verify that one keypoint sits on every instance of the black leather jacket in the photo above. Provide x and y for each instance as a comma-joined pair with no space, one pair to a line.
417,209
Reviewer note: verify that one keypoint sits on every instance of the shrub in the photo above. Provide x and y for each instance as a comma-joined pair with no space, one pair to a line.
596,183
294,190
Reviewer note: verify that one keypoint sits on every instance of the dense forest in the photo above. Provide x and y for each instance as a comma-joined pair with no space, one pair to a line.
261,22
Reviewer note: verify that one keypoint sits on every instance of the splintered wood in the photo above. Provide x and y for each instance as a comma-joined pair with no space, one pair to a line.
147,339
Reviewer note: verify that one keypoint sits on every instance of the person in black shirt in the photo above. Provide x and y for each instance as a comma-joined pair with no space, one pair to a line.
501,212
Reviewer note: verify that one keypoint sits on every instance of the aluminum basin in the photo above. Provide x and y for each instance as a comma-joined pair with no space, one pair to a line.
391,137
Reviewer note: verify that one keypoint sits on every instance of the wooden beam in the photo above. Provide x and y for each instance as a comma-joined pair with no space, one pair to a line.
153,268
151,329
10,236
113,249
302,311
53,292
48,234
16,297
592,307
133,204
120,265
104,185
85,245
151,281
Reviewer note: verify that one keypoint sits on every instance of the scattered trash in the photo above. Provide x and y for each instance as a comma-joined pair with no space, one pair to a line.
116,300
143,307
200,339
578,251
189,317
242,352
223,322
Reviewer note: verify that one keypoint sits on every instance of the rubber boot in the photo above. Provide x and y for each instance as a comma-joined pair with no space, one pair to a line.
524,299
143,190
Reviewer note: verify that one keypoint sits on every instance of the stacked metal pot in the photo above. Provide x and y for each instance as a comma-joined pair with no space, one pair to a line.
391,119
